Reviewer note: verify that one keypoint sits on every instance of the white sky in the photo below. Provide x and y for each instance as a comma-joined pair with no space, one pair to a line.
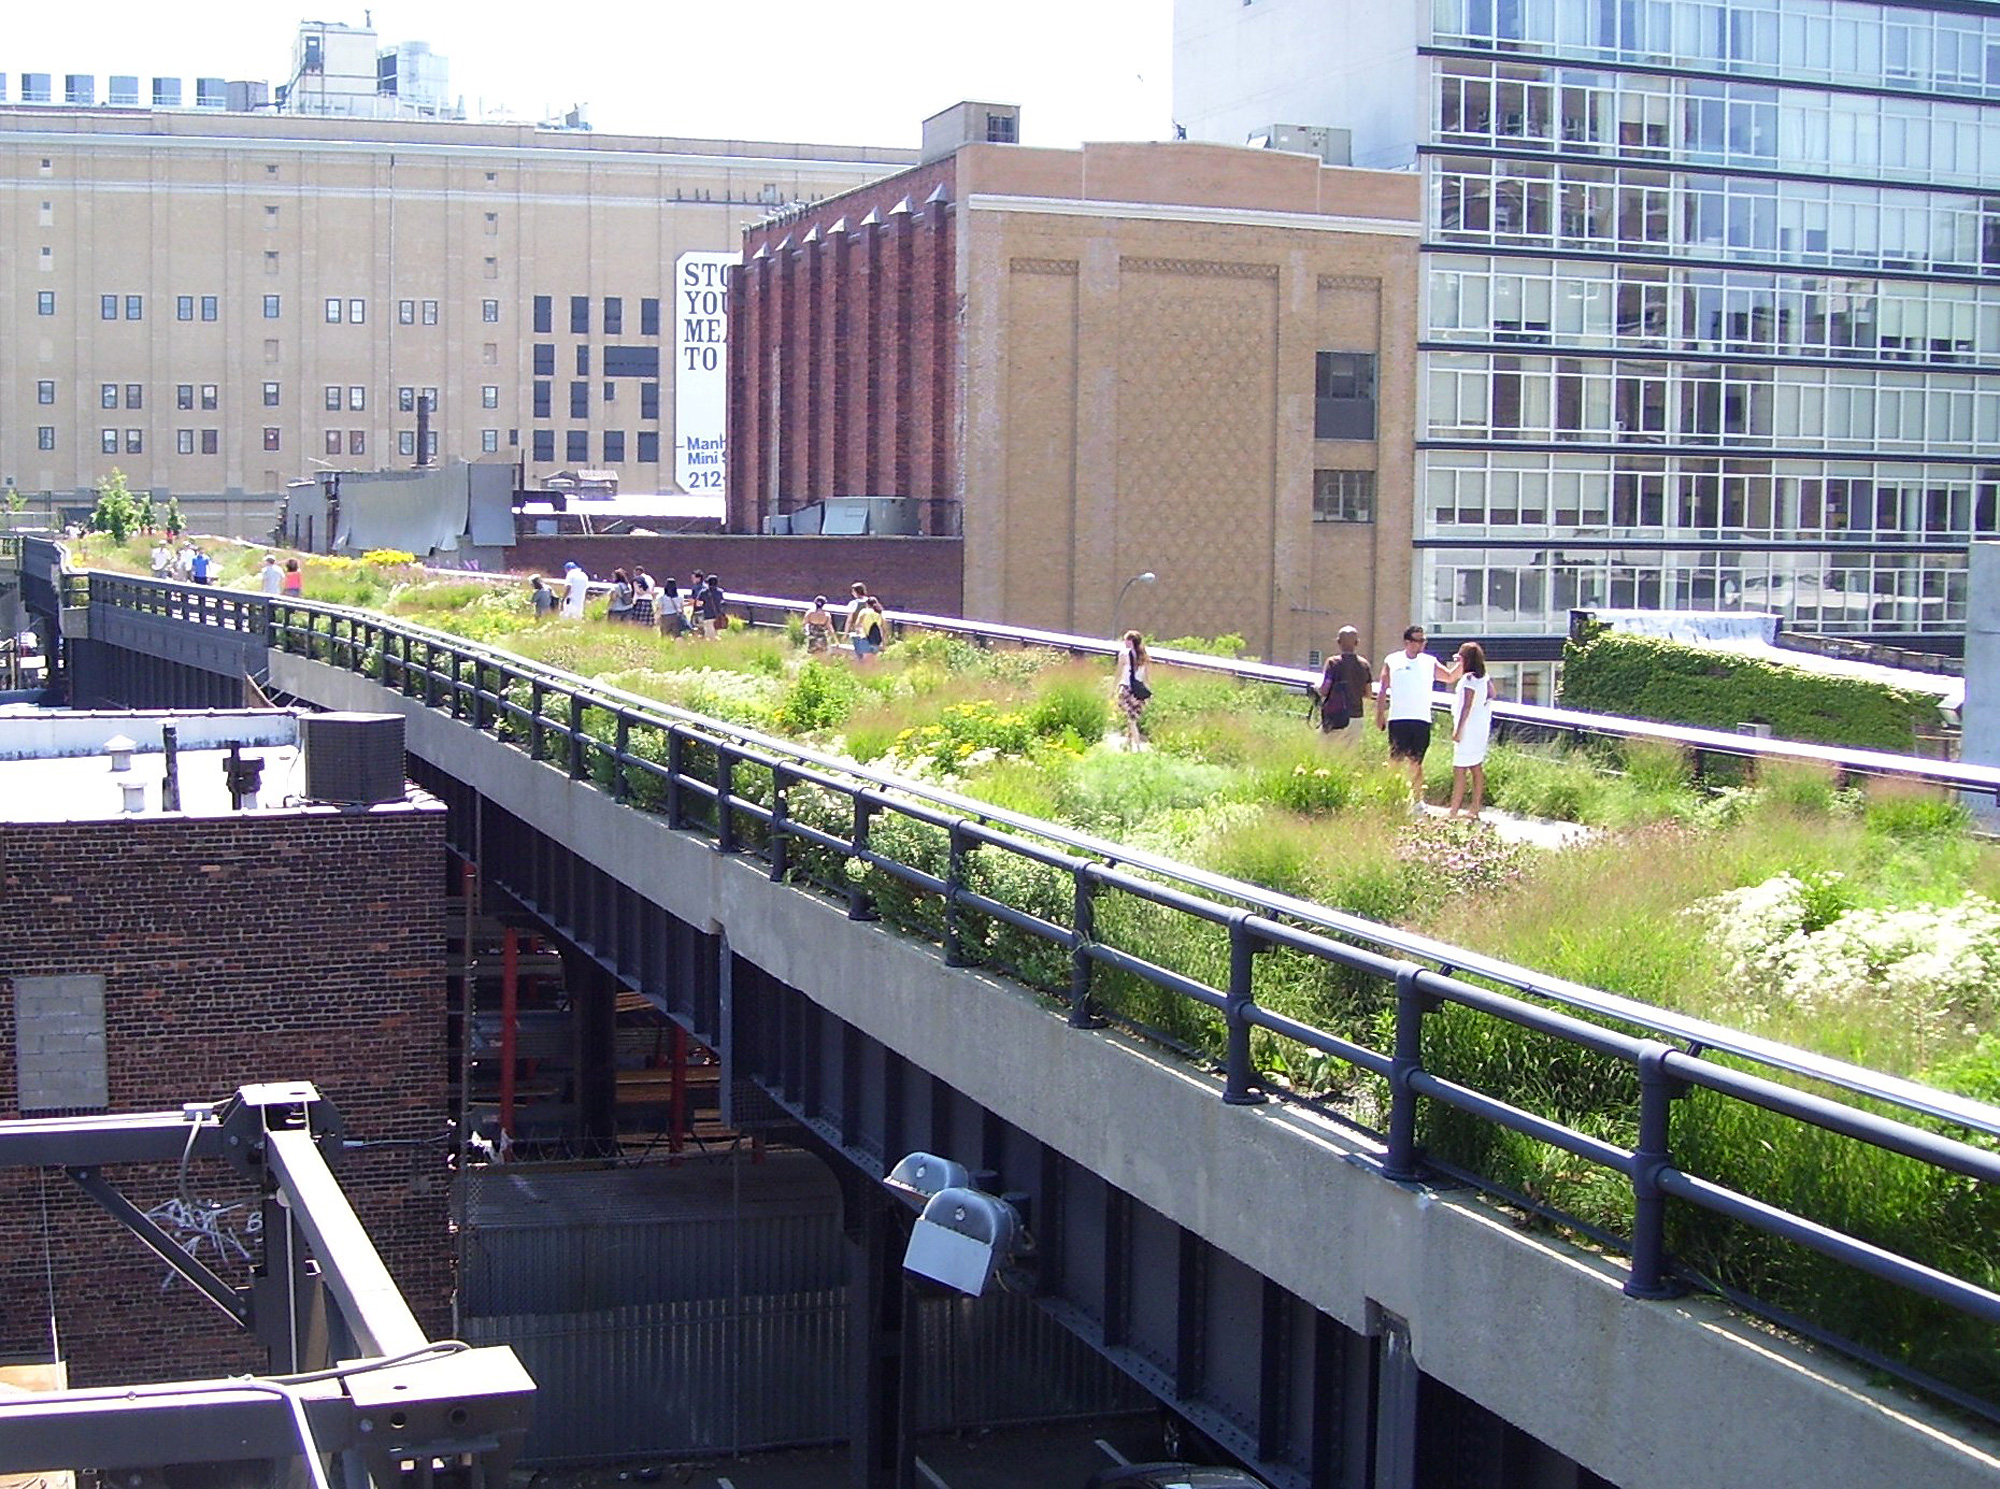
860,72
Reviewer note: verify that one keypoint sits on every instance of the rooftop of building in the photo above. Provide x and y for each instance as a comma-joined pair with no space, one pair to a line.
62,765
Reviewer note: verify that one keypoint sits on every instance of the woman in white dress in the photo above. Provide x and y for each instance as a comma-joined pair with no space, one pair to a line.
1472,723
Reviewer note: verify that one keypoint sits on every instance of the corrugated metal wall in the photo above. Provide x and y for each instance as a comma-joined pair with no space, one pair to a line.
703,1310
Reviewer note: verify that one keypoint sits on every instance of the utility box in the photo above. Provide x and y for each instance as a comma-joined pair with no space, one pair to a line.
353,759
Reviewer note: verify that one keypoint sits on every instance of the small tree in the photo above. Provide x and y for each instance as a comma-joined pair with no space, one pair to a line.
173,521
116,512
14,501
148,514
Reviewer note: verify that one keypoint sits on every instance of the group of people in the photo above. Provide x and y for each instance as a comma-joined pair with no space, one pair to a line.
637,598
189,563
1403,695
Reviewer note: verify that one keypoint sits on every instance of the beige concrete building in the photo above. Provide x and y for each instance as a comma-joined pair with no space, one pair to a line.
219,303
1195,361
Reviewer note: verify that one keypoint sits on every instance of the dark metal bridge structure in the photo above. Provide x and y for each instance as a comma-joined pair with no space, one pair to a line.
887,968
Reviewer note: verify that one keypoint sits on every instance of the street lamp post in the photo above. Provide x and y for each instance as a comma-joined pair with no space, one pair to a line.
1146,578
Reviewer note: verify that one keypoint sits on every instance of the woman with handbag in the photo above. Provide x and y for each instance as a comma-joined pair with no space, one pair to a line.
1132,689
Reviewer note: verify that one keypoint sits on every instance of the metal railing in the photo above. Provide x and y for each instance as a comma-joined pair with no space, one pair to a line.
810,817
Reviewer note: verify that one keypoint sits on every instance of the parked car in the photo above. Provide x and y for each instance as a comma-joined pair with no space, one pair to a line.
1173,1476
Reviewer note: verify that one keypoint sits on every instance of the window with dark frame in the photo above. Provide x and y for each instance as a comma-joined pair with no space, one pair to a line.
544,444
211,442
272,437
544,314
649,317
1344,396
614,316
649,447
579,315
1343,496
577,450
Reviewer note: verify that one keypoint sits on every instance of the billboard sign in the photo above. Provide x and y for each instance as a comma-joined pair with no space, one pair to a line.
701,369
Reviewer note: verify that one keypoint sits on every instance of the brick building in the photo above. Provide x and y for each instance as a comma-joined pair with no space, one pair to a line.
155,958
1191,360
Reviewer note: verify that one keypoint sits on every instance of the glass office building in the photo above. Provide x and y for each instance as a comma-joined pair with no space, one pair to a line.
1710,317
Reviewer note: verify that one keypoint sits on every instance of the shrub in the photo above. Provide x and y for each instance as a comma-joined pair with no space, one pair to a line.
820,696
388,558
1071,705
1646,677
1903,812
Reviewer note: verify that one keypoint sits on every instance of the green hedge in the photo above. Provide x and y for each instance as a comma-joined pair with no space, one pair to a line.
1644,677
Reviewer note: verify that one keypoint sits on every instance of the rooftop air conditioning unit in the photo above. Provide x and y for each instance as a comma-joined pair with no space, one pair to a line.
353,759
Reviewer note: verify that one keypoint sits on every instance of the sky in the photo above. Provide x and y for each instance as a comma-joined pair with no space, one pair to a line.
863,72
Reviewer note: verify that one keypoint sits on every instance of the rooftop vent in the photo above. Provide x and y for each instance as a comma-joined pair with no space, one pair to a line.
353,759
120,749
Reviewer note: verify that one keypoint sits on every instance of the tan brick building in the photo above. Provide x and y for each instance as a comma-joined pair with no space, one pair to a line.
219,302
1191,360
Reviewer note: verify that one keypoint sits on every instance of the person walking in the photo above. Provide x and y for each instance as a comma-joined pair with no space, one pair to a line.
643,591
708,607
857,606
295,580
542,598
1133,689
673,618
271,578
620,609
819,628
203,567
1346,685
1403,705
576,589
1473,727
161,561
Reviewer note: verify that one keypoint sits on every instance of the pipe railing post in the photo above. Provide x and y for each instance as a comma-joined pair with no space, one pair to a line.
1401,1161
1650,1277
781,811
725,791
621,788
860,904
954,881
1239,1083
578,768
1082,966
676,768
537,698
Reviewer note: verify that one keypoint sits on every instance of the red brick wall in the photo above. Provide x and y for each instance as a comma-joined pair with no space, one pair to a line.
295,946
908,573
844,353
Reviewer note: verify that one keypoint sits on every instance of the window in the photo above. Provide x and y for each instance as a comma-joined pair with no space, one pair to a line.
489,312
614,446
333,312
431,398
406,400
271,307
430,312
631,361
107,441
649,447
45,391
208,307
333,444
406,312
270,261
614,316
332,396
208,395
577,447
542,399
492,224
545,359
579,400
406,442
430,444
184,396
489,441
45,302
1002,129
611,392
544,317
357,312
1344,396
270,395
357,442
489,396
184,307
1343,496
107,395
135,442
45,437
183,441
579,315
489,268
271,438
545,444
210,442
489,353
270,350
649,317
135,395
107,307
583,361
649,400
270,218
135,307
357,399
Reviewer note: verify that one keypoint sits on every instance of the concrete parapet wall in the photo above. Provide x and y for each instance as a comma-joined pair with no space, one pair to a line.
1649,1395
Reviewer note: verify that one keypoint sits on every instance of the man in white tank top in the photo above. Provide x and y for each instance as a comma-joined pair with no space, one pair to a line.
1404,698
